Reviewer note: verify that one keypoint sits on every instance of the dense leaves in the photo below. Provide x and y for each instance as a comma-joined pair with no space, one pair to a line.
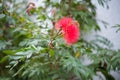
32,49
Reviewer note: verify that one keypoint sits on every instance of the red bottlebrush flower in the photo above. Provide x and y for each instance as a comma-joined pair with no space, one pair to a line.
62,23
70,29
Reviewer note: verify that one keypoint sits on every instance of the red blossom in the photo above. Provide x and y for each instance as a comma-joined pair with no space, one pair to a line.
70,29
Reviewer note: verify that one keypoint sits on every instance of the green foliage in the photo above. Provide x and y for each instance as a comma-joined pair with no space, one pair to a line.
104,3
33,50
118,27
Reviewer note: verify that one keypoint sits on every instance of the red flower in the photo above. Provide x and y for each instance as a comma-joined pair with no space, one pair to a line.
70,29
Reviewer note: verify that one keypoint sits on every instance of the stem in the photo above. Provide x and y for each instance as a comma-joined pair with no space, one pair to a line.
57,33
69,8
53,37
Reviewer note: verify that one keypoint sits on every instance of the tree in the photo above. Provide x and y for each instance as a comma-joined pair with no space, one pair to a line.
36,50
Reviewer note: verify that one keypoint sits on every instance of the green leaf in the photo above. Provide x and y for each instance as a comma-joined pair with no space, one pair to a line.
51,52
4,59
107,75
2,44
2,15
10,20
16,57
33,47
8,52
77,73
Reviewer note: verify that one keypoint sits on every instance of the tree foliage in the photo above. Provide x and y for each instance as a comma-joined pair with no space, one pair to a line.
31,49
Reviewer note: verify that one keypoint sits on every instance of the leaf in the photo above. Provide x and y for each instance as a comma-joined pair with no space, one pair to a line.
77,54
8,52
2,15
18,71
51,52
29,55
33,47
2,44
10,20
118,27
76,72
107,75
55,76
4,59
15,57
